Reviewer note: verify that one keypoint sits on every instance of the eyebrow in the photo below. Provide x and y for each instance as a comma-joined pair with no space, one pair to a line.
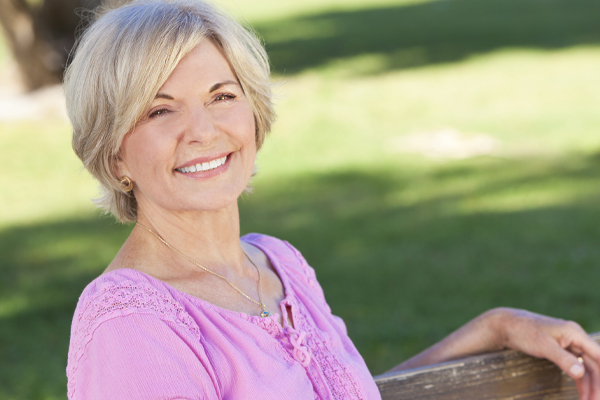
218,85
163,96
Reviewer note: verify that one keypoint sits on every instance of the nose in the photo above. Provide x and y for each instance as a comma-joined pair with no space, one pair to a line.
200,126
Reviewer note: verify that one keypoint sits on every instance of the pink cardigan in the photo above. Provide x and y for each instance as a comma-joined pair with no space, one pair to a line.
136,337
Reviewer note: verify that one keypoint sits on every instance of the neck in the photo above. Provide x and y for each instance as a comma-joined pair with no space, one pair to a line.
210,238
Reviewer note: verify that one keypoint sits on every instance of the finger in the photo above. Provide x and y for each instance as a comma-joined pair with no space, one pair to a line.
565,360
589,347
593,374
583,387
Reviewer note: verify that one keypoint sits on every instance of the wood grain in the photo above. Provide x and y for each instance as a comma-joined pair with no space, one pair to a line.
503,375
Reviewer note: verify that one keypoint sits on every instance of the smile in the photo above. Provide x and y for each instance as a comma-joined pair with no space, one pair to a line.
205,166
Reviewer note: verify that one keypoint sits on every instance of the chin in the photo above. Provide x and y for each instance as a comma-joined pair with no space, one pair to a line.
213,203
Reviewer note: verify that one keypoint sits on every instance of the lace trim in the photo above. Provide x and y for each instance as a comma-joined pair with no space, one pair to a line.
340,380
273,328
285,347
117,300
336,373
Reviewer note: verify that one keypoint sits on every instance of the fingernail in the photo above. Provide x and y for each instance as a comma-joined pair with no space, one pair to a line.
576,370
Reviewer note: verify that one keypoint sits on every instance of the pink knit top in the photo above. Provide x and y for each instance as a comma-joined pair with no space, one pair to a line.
136,337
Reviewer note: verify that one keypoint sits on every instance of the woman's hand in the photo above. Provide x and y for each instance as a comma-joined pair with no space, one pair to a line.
557,340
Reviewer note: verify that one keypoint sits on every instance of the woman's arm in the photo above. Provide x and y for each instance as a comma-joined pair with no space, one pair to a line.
557,340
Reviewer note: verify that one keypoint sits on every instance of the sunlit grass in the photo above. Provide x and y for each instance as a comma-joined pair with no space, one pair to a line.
522,98
41,175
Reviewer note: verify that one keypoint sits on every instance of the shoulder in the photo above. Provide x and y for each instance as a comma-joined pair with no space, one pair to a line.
126,291
119,310
122,293
272,245
280,252
287,259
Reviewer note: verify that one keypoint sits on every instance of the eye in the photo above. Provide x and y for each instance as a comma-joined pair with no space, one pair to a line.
158,113
225,97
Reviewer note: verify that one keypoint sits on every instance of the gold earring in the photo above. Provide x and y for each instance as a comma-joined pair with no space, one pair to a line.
126,184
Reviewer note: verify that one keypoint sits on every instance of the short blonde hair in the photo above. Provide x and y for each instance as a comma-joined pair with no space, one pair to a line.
123,59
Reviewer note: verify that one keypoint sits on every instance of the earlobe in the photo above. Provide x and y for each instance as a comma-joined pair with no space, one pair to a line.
121,172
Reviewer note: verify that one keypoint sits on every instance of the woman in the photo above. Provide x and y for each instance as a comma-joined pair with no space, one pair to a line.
170,101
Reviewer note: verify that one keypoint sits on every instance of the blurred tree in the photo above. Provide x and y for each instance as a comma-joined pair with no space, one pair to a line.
40,36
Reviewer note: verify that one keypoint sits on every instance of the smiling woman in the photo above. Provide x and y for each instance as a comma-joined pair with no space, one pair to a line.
170,102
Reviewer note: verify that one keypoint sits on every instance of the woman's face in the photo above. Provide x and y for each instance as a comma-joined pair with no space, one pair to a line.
195,147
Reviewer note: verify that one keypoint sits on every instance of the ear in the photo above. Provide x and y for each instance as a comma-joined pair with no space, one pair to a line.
119,164
119,167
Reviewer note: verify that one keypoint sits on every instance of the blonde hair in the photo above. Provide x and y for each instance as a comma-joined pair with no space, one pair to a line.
123,59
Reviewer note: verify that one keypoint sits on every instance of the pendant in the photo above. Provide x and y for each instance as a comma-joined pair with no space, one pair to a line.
265,314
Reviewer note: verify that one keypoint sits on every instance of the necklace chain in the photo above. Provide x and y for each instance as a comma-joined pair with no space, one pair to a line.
261,304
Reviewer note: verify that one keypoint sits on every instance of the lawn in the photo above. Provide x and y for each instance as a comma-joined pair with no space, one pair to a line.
431,160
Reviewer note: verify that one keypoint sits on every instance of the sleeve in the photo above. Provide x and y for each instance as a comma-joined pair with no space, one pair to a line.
140,356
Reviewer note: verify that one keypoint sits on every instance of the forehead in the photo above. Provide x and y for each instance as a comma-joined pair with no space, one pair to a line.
205,65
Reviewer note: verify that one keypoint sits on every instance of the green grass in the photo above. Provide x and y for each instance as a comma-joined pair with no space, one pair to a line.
268,10
407,247
42,175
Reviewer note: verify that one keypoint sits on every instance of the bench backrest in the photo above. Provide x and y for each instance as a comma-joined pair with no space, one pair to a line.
503,375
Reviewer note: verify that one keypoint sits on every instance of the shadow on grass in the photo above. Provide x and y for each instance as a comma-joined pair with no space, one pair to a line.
428,33
44,268
402,276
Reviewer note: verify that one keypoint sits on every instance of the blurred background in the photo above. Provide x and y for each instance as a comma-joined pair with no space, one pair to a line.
432,159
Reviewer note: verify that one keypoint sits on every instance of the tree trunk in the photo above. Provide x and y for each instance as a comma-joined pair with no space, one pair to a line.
38,62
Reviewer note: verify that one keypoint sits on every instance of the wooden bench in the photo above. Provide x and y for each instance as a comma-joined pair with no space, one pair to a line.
503,375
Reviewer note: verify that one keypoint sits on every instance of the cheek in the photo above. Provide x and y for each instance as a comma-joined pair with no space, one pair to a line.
140,149
242,123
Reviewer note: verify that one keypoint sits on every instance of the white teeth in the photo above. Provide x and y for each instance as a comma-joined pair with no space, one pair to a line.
204,166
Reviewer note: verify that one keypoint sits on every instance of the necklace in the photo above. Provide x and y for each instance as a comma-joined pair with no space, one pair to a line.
261,304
